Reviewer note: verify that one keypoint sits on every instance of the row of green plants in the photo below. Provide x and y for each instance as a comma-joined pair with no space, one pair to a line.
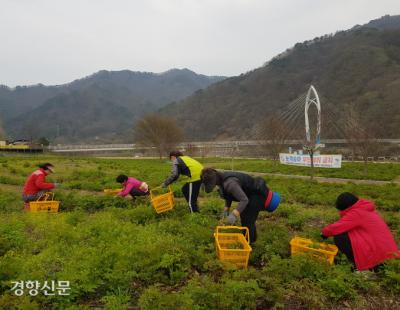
96,174
120,257
349,170
118,254
84,173
77,168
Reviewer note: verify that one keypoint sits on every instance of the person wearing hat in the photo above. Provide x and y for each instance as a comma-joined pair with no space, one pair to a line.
191,169
36,185
132,186
252,195
361,234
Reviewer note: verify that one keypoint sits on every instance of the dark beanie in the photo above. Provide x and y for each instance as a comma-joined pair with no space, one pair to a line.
209,179
175,154
345,200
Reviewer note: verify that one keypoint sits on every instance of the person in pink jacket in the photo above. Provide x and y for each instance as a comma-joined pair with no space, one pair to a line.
132,187
361,234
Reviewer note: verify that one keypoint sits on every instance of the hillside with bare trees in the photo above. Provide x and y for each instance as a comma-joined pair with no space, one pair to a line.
358,69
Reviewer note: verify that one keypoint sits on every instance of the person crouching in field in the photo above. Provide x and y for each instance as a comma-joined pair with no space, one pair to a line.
191,169
132,186
361,234
36,185
252,194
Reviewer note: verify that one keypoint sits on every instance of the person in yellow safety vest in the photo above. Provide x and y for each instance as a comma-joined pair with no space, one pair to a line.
191,169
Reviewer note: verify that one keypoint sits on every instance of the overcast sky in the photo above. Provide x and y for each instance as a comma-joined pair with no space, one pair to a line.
57,41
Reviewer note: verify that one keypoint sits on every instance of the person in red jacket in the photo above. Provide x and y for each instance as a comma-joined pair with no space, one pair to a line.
361,234
36,183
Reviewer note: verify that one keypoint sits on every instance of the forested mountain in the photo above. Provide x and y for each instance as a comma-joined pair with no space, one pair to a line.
15,101
357,69
100,107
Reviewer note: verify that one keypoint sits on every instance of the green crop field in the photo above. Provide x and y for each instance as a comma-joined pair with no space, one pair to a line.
122,255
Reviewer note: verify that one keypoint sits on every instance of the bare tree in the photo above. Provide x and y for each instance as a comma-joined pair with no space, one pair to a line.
2,132
158,131
361,137
273,136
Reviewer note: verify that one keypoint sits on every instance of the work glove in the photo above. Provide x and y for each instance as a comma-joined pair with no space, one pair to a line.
324,237
224,214
231,219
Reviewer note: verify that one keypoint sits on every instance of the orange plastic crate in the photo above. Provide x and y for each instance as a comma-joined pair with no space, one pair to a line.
163,202
322,251
223,240
45,203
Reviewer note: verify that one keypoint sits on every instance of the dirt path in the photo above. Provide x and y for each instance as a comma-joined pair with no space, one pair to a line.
321,179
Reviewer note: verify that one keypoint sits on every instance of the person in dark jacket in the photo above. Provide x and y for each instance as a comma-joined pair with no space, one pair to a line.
252,195
191,170
361,234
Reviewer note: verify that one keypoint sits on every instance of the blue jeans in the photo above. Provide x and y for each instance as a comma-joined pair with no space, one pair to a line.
28,198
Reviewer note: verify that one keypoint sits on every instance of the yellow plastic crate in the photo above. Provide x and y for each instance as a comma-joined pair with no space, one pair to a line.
112,191
322,250
45,203
163,202
223,241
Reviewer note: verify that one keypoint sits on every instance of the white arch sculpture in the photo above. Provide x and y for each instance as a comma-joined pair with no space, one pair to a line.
312,98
